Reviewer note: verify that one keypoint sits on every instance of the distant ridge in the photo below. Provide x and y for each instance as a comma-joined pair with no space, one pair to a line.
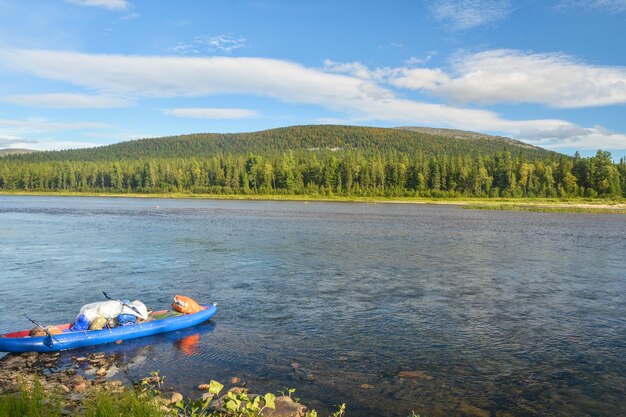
307,138
465,134
15,151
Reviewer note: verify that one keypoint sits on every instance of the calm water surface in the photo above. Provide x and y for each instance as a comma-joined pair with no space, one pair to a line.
505,313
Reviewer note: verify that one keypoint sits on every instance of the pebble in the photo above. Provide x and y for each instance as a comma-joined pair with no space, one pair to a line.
80,387
101,372
235,380
204,387
414,374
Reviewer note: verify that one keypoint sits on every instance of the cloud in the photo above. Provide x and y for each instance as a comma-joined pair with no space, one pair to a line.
468,14
509,76
35,133
211,113
7,141
43,125
202,45
361,98
577,137
69,101
610,6
105,4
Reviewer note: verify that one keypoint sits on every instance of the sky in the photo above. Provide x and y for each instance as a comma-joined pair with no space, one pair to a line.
82,73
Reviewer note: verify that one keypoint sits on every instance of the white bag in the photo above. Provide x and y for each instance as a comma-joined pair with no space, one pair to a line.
106,309
140,307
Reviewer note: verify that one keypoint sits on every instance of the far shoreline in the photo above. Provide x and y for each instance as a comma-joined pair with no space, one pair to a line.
577,205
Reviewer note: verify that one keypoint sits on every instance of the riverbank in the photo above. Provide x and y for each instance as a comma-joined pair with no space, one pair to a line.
39,385
576,205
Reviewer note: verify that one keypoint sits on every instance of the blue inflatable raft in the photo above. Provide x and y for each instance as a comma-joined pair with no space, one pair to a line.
22,342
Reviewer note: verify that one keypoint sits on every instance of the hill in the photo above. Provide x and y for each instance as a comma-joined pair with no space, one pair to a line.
299,139
15,151
320,160
465,134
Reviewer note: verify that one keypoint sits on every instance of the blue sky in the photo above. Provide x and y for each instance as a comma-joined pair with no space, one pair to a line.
76,73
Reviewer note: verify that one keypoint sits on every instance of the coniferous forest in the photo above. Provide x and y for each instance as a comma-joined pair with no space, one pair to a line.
321,160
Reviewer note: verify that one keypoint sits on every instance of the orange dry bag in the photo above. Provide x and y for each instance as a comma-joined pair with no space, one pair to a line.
185,305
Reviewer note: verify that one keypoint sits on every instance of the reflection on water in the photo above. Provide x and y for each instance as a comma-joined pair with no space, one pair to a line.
487,313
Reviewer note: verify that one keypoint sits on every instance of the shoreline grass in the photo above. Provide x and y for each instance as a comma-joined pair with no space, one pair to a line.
546,209
482,203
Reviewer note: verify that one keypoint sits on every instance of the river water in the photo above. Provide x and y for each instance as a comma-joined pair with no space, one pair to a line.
494,313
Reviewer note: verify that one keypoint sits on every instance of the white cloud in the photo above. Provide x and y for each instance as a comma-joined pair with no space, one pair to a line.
43,125
468,14
69,101
202,45
35,133
610,6
48,144
105,4
509,76
360,98
8,141
211,113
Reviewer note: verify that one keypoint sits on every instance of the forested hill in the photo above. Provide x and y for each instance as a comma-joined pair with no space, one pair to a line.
321,160
368,140
464,134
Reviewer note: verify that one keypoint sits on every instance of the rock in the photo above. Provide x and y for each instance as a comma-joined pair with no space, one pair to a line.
473,411
204,387
367,386
64,387
119,342
295,365
101,372
414,374
80,387
176,397
285,407
235,380
238,390
14,362
343,358
76,397
81,359
304,375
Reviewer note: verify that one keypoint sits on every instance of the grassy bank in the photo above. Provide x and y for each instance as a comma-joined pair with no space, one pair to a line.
147,400
547,209
478,203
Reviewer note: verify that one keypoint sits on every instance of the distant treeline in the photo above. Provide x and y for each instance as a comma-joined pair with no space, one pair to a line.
324,171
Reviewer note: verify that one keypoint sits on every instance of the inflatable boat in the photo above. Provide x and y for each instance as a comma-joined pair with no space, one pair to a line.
164,321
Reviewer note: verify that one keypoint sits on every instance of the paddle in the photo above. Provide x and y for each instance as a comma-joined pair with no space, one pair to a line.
123,304
52,338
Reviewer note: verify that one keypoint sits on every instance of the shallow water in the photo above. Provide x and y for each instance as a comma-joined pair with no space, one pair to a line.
505,313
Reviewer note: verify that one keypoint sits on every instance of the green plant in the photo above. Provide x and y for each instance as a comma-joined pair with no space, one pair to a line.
33,402
341,411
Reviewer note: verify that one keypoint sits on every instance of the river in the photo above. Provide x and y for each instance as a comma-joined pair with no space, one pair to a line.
493,313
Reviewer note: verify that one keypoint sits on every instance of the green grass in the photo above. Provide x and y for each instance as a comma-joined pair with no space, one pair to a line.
485,201
36,402
31,403
540,209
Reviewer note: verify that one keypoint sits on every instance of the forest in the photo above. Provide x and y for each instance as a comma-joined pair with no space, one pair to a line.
320,161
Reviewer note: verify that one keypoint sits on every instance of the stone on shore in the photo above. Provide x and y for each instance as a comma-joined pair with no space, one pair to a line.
285,407
414,374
